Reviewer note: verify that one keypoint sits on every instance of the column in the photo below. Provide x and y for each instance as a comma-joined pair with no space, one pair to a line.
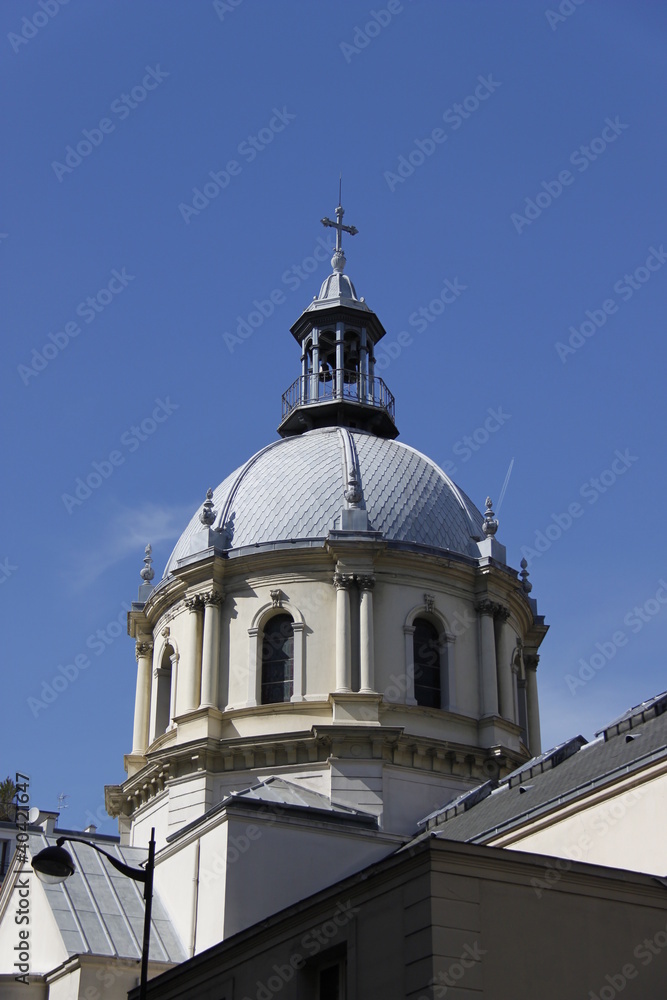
303,384
254,681
489,692
340,359
298,684
409,633
190,682
534,737
342,584
315,377
142,702
173,688
448,673
504,660
211,650
371,373
363,365
366,635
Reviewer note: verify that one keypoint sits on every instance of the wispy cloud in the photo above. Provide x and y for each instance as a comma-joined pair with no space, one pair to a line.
128,531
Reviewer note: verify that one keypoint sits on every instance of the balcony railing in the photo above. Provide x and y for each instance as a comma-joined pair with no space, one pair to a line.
338,383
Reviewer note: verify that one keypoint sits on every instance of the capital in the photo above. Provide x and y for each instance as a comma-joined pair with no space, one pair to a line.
213,597
366,582
342,581
485,607
143,649
194,603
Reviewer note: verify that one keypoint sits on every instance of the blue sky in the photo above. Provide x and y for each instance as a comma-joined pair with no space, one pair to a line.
513,150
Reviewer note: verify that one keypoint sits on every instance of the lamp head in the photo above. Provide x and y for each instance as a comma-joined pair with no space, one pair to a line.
53,865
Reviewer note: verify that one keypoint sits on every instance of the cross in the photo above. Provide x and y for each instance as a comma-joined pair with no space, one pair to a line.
338,224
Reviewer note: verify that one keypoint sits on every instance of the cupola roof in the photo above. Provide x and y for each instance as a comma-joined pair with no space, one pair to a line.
294,490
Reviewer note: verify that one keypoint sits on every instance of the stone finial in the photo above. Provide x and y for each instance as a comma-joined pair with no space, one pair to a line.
148,572
353,493
207,515
338,262
490,525
525,582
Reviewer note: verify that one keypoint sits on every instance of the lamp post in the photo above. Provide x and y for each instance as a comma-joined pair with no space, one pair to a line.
54,864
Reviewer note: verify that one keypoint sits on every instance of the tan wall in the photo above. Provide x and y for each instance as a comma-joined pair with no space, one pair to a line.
625,827
455,921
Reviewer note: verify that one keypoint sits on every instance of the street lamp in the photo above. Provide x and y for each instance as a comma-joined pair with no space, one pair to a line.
54,864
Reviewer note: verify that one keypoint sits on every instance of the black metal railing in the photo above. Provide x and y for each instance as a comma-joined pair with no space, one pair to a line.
338,383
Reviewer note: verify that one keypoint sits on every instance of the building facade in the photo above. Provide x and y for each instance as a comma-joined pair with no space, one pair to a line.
337,623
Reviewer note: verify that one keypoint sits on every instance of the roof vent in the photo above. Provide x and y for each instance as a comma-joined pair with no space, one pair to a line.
649,709
458,805
545,761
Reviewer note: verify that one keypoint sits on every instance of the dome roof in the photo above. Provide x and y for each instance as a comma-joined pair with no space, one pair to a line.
337,289
295,489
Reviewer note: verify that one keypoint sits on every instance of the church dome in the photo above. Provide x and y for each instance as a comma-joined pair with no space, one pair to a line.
296,487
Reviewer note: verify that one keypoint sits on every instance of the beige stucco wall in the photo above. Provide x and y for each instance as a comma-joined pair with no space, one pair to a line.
455,921
45,943
620,827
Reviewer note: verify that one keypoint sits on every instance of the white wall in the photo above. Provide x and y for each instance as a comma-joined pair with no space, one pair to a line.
623,830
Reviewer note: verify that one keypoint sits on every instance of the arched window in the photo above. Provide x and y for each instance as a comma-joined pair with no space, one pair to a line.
427,664
277,660
164,682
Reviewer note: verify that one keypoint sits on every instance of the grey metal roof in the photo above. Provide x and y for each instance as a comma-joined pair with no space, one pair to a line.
284,795
538,792
635,715
276,789
99,911
294,489
337,289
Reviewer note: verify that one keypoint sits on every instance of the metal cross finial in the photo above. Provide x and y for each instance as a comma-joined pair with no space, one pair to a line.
338,224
